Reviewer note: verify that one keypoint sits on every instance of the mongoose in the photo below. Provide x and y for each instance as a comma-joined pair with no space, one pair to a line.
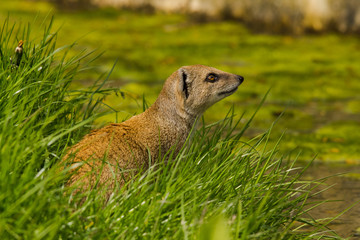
186,94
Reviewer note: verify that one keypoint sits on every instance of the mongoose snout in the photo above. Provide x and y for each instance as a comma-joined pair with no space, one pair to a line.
231,91
115,152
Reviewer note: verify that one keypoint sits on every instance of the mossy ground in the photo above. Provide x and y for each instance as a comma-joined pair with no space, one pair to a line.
219,185
314,79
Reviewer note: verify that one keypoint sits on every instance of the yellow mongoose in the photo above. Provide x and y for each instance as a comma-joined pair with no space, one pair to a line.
186,94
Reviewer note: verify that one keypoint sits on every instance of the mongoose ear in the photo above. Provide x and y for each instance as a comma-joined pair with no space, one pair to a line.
183,83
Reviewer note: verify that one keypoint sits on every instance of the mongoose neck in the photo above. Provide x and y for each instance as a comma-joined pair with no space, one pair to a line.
172,113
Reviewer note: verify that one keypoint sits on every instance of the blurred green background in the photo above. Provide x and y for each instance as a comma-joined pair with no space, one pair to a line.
314,77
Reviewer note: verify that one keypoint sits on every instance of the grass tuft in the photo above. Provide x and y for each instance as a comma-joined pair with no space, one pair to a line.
39,117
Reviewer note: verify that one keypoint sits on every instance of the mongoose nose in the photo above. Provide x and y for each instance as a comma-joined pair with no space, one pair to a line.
241,79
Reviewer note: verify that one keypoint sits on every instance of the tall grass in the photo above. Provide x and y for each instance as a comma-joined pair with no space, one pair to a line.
218,186
39,117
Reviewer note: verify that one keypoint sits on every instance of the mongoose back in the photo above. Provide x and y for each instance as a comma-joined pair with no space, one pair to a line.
186,94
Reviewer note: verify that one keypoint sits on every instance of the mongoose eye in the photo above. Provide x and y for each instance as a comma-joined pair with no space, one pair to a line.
212,77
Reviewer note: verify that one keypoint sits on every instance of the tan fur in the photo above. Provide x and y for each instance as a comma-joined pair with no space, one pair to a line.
119,150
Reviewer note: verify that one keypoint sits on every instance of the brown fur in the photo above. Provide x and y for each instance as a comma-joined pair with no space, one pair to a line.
165,125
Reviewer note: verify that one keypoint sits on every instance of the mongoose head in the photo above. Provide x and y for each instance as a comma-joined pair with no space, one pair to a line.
197,87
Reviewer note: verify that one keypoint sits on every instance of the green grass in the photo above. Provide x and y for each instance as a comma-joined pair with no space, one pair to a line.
313,77
39,117
222,185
